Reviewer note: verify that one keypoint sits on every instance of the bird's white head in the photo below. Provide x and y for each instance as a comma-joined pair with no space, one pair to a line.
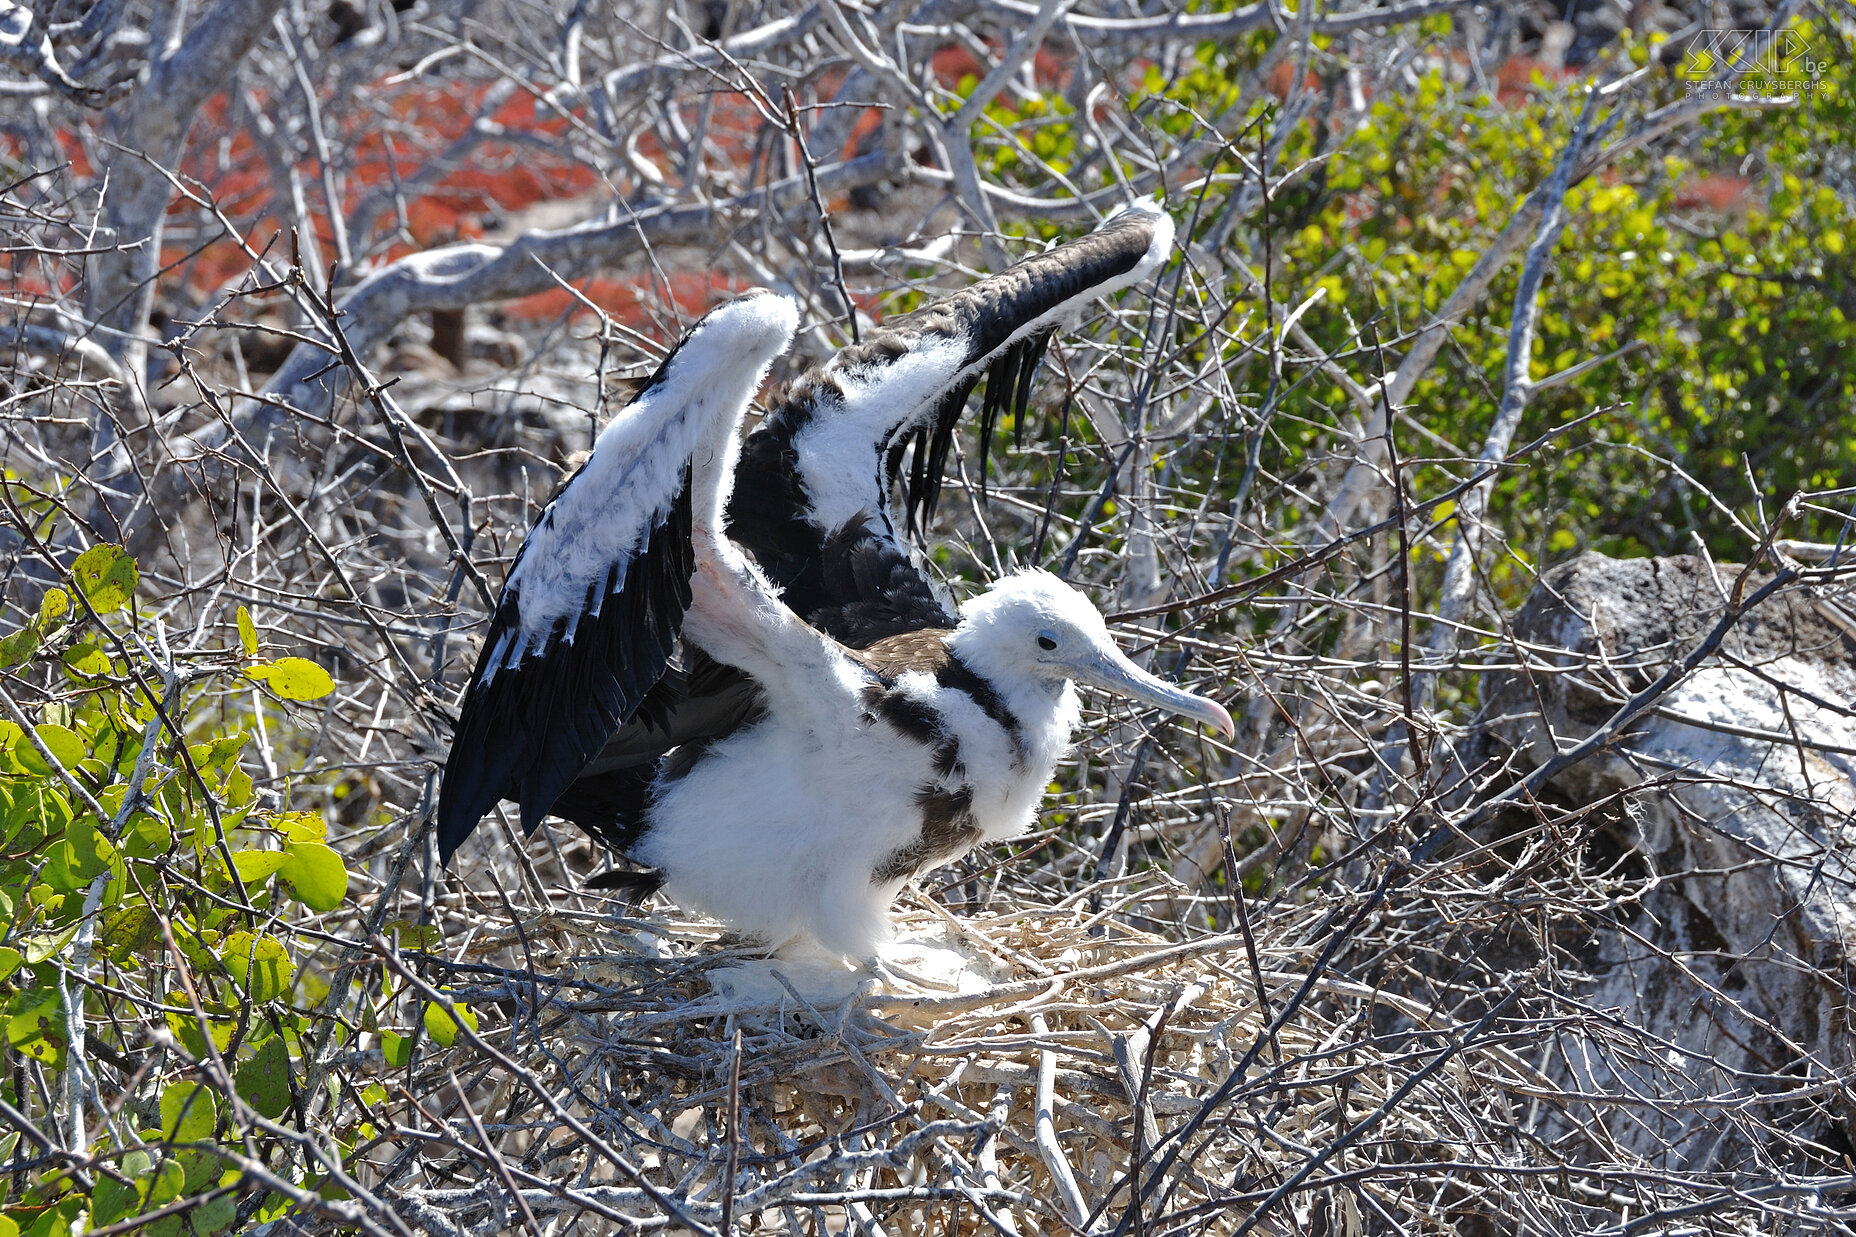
1032,627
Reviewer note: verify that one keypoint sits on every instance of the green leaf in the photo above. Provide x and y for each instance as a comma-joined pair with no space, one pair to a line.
146,836
106,575
114,1199
9,961
53,605
221,752
247,632
214,1215
257,865
45,898
187,1112
61,741
88,659
57,1221
169,1181
18,647
186,1028
264,1081
109,749
87,851
301,826
442,1026
205,1170
57,872
196,947
259,964
396,1048
130,929
316,875
294,678
41,946
54,811
238,788
37,1026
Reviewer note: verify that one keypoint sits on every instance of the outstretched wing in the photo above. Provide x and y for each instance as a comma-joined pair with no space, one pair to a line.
811,497
592,608
812,493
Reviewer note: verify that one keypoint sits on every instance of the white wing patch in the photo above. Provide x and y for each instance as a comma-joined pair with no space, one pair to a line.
581,549
841,450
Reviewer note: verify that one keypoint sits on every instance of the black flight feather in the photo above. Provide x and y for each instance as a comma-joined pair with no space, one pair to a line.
526,732
1008,389
769,509
854,582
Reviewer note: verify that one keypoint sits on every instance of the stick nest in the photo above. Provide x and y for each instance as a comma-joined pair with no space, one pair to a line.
1066,1073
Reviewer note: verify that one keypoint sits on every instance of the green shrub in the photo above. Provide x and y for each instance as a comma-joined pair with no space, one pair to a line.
157,968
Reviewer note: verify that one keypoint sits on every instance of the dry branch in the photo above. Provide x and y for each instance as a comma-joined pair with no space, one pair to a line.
1284,986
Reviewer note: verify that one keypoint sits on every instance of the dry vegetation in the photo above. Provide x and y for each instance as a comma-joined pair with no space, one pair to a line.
318,365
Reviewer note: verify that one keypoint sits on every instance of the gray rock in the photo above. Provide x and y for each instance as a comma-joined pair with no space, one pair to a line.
1722,825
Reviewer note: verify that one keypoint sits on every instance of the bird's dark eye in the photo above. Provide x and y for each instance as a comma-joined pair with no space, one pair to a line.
1046,643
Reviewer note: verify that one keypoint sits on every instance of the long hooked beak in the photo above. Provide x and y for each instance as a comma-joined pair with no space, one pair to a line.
1110,669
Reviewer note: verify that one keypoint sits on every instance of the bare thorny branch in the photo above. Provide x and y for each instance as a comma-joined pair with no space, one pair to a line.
1378,1005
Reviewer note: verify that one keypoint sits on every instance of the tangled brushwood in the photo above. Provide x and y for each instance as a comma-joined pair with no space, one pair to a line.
699,1085
1485,450
1415,1050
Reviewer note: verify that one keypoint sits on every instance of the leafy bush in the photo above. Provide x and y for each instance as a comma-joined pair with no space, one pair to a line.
159,955
1706,289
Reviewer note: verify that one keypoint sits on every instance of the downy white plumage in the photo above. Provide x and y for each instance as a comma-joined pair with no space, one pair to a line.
721,660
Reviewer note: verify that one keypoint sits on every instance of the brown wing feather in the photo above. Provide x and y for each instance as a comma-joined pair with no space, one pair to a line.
924,650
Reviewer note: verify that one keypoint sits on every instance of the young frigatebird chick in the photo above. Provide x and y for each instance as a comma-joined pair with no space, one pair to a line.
783,735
